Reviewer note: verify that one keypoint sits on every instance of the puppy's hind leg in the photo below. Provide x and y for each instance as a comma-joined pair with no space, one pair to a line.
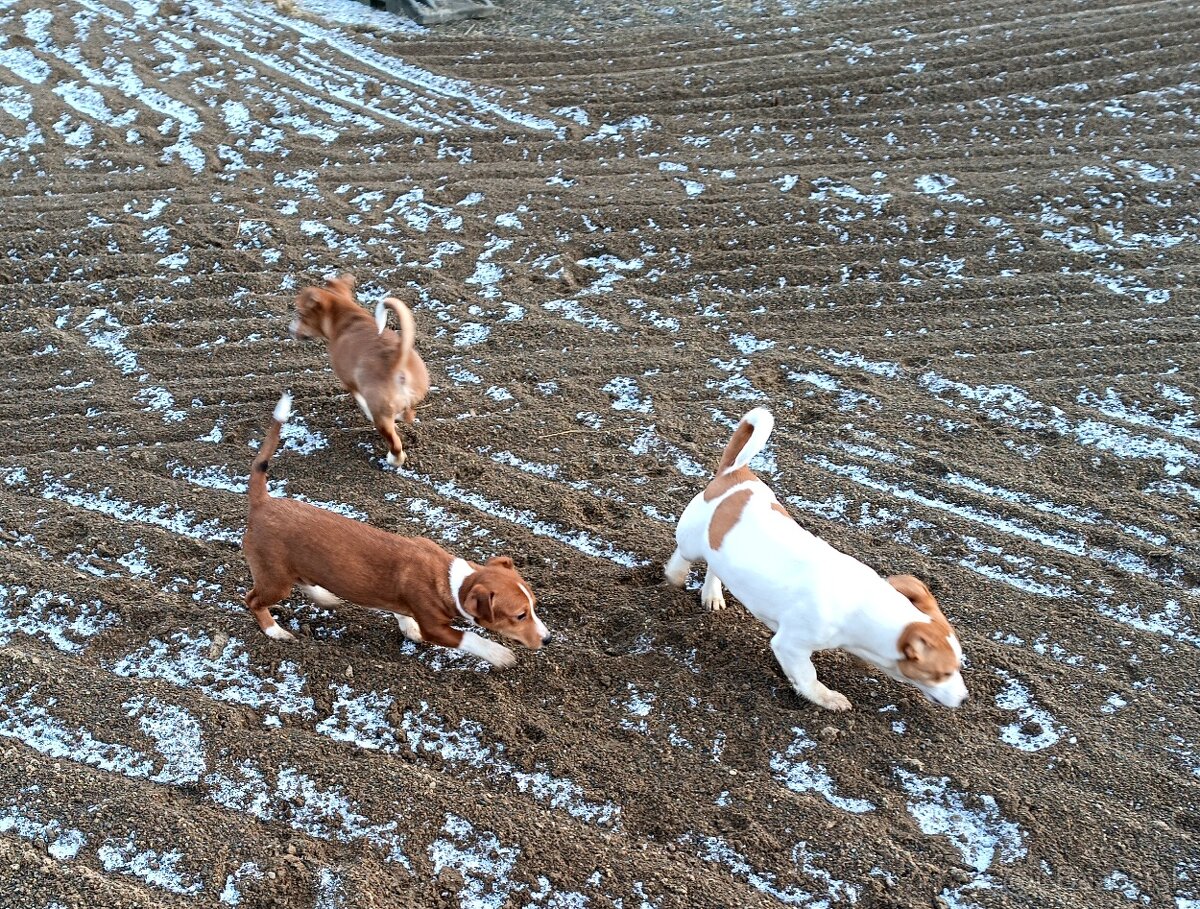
260,599
797,665
677,569
710,594
387,428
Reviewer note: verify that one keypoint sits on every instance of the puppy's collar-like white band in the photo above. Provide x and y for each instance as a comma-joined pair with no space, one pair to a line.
460,570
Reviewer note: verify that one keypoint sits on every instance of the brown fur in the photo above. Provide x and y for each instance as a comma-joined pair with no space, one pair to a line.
928,656
741,435
288,542
725,516
723,482
383,368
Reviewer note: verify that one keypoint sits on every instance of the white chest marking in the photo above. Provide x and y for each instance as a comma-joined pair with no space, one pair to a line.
460,570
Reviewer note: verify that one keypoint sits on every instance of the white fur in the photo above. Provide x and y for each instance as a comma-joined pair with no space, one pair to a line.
320,595
381,316
496,654
460,570
540,626
277,633
809,594
762,421
362,405
711,595
283,409
408,627
396,460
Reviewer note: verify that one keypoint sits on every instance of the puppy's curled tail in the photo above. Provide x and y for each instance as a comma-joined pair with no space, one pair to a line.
258,470
408,328
749,438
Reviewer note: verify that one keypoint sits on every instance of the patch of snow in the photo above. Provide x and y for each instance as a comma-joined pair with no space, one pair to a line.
1035,728
159,869
802,776
221,670
980,834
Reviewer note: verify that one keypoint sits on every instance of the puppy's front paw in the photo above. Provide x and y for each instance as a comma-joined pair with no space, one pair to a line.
502,658
712,600
396,460
833,700
277,633
409,627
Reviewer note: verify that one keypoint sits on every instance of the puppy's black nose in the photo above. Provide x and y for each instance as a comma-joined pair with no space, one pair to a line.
546,639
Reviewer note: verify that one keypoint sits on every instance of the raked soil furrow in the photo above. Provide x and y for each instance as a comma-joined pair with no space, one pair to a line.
952,247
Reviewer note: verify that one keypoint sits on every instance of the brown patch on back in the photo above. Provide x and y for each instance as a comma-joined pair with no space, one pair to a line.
924,646
723,482
727,514
775,506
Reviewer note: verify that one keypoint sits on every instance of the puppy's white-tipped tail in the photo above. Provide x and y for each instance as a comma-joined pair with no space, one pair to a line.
749,438
258,470
408,329
283,409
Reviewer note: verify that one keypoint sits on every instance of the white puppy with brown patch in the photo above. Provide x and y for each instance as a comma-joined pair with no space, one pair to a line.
812,596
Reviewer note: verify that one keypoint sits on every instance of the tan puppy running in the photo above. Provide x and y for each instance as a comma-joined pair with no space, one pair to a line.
379,367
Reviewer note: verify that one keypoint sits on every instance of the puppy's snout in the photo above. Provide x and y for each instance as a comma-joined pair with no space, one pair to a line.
957,698
546,638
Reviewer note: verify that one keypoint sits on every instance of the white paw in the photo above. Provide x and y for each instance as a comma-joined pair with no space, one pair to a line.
496,654
832,700
676,570
397,461
277,633
409,627
502,658
712,600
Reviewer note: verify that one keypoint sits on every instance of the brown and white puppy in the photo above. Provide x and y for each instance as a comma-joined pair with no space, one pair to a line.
379,367
333,557
812,596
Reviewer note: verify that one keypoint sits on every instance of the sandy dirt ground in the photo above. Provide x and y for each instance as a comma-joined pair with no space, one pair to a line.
952,246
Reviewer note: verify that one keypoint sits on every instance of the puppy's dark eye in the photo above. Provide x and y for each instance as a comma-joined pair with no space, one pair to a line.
520,617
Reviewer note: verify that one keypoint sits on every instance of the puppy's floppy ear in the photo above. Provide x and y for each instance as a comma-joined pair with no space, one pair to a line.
500,561
916,641
479,603
308,300
915,589
346,281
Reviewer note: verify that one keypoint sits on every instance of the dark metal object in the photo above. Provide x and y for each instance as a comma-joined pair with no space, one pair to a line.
435,12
